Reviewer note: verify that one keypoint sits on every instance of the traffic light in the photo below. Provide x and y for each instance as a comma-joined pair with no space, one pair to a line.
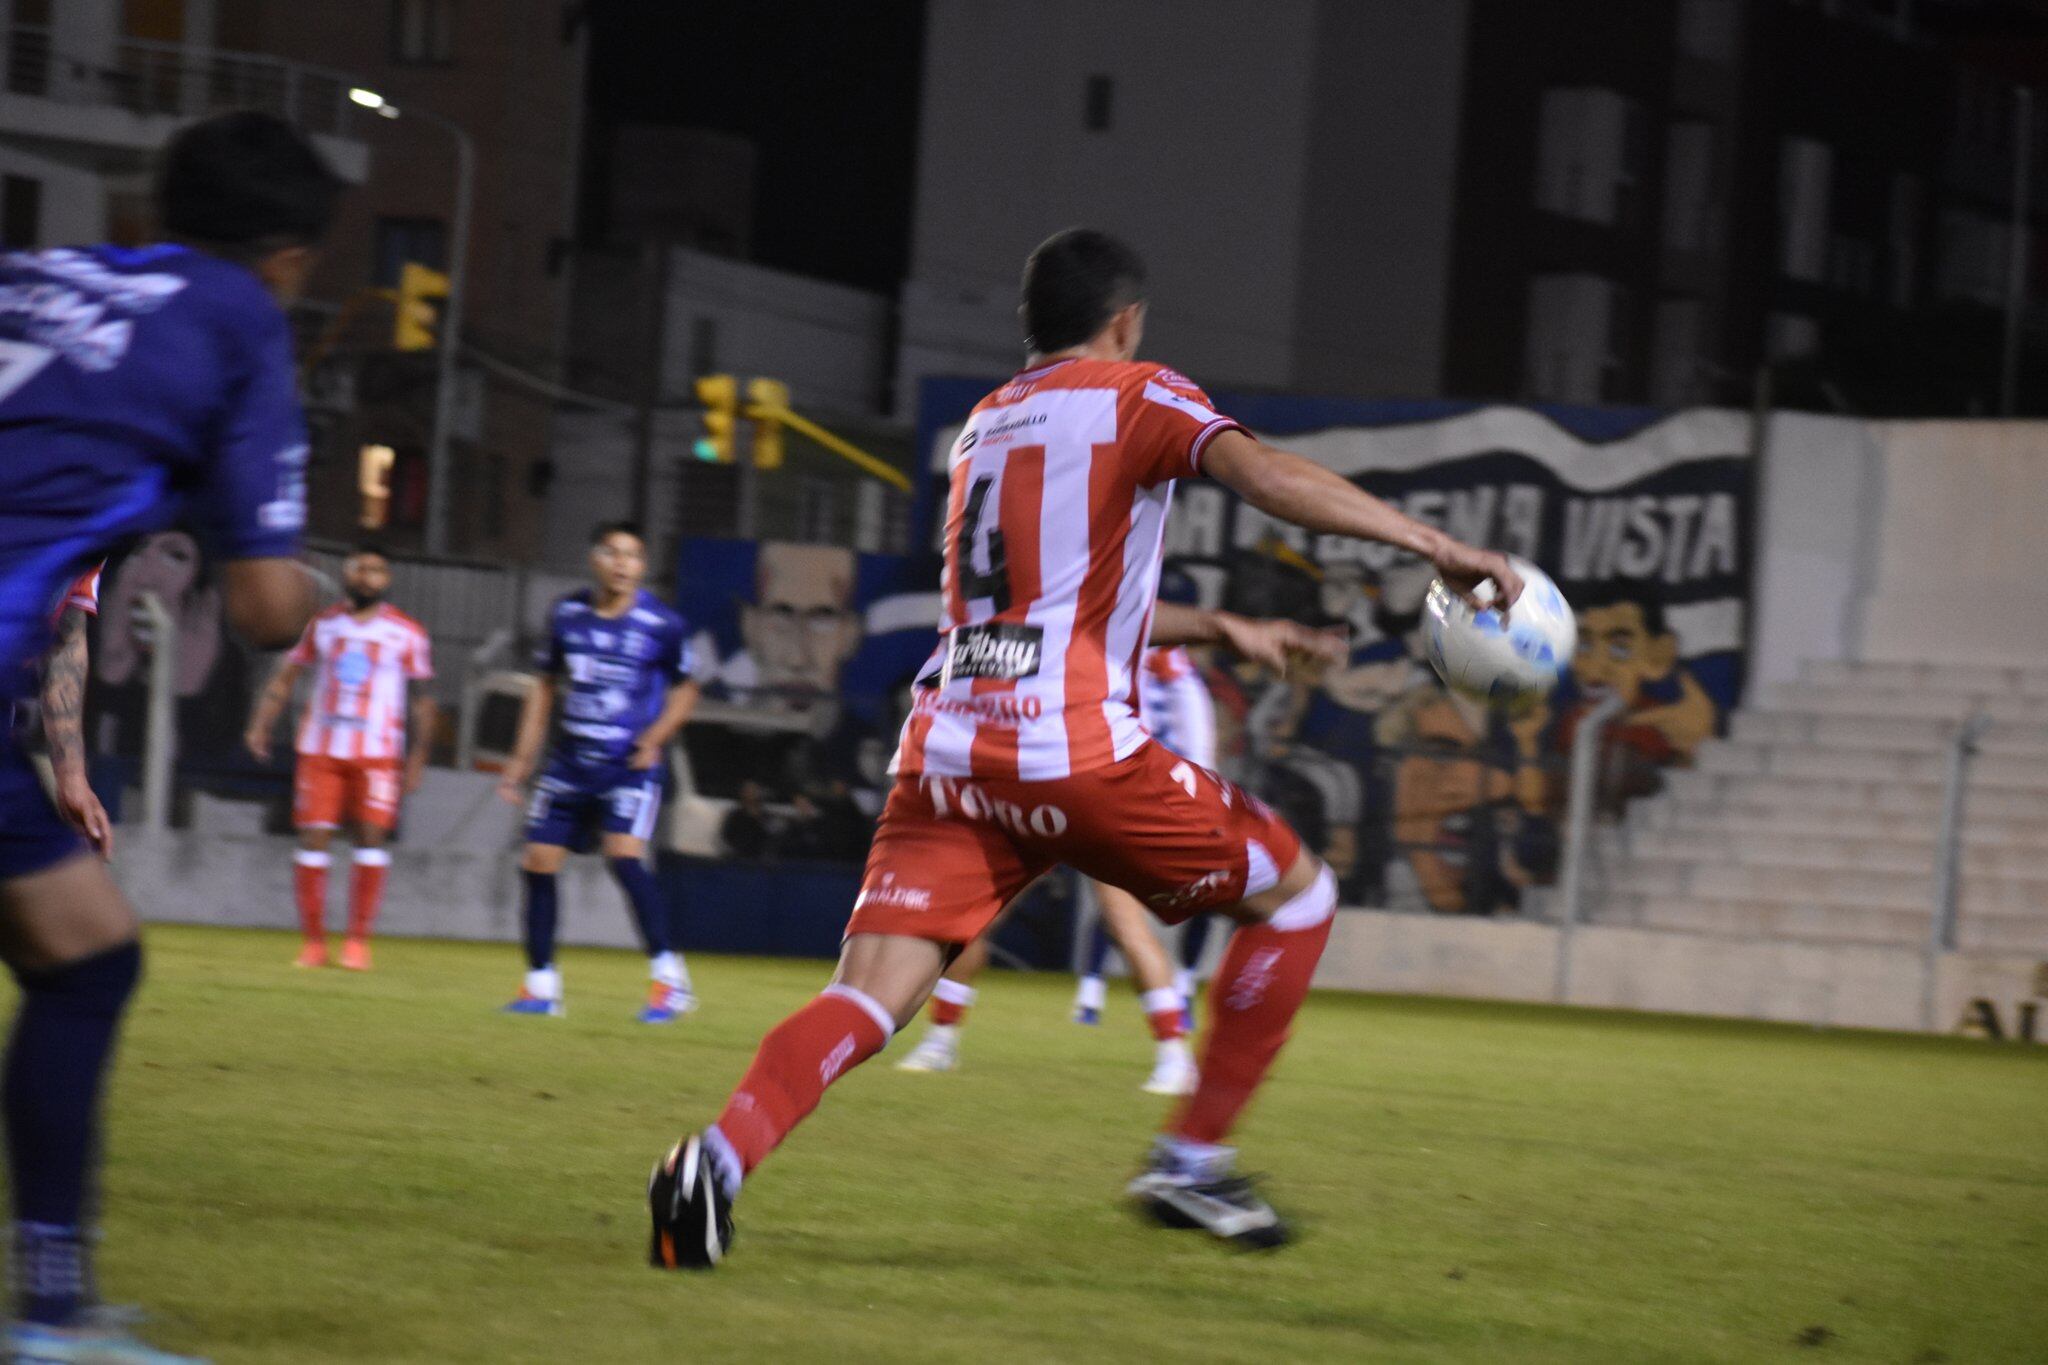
719,396
767,402
418,316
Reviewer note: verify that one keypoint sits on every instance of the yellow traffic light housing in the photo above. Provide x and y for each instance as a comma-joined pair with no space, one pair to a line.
767,404
719,397
421,289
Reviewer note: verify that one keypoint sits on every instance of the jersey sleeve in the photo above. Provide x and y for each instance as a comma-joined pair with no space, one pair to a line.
255,483
682,654
1171,421
84,595
304,653
419,660
547,655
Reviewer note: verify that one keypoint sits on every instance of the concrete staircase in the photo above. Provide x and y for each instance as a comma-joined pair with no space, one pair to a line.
1816,819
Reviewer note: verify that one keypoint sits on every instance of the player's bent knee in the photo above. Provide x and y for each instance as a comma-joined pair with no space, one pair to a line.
543,858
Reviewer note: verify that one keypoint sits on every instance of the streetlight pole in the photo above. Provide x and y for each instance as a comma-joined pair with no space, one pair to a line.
449,337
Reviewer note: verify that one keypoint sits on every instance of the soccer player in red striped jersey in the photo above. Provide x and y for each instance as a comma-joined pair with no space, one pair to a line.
1024,749
354,762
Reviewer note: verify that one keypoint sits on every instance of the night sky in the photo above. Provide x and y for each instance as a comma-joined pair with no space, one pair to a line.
827,92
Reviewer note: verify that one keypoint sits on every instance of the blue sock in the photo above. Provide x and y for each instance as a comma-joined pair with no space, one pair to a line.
1099,944
56,1063
648,906
540,919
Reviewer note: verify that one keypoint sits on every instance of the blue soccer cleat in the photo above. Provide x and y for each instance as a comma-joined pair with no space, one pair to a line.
100,1338
1087,1014
534,1004
666,1004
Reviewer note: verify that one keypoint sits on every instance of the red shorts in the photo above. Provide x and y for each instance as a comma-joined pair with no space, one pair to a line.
951,852
362,791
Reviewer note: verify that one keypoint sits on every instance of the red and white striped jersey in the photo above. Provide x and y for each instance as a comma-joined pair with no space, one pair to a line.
357,709
1059,488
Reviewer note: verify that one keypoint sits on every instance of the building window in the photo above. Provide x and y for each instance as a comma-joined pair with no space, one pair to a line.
1707,29
21,211
1903,239
1805,177
1675,353
1973,257
1691,216
1590,156
1098,104
422,240
423,32
1570,353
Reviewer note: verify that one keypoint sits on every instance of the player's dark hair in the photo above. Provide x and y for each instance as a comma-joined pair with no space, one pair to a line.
604,530
1074,283
244,183
1622,594
369,547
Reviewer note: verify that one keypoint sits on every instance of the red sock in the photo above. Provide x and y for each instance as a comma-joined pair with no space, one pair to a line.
1258,988
1163,1011
309,888
800,1057
950,1002
366,889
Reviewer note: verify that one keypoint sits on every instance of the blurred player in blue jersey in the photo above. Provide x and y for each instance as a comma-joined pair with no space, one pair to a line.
135,385
622,662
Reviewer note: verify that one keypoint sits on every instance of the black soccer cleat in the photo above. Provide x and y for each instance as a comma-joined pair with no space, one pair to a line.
1227,1207
692,1215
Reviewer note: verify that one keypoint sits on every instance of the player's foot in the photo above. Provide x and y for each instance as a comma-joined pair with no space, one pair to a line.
1207,1195
936,1052
355,955
526,1003
311,955
1087,1014
1174,1074
101,1337
666,1004
692,1215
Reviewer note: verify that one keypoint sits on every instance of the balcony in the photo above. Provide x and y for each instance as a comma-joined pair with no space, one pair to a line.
129,100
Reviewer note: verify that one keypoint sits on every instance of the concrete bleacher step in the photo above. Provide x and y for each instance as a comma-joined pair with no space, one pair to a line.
1780,848
1793,919
1806,793
1915,828
1975,679
1736,757
1980,893
2005,708
1902,734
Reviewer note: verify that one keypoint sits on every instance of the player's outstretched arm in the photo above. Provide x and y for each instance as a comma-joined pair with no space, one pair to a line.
64,732
1299,490
269,601
270,704
675,714
1273,641
533,728
420,737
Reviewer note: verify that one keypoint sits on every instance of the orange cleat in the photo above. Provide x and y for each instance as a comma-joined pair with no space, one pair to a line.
314,954
355,955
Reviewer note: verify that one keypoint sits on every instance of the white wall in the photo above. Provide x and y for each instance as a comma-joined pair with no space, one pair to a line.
1822,491
1203,168
828,342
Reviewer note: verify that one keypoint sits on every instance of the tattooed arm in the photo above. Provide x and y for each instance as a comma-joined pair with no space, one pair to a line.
64,731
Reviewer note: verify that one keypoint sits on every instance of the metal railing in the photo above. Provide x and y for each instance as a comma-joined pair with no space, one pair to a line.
1578,832
176,81
160,740
1948,859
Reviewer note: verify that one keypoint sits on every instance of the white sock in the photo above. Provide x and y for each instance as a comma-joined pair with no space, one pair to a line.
1173,1050
943,1035
1092,995
1201,1160
668,969
725,1162
544,984
1184,982
1162,1000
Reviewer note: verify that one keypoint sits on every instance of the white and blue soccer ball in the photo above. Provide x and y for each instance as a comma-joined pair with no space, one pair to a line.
1513,662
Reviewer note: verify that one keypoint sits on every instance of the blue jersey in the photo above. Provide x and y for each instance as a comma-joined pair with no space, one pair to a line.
618,671
135,385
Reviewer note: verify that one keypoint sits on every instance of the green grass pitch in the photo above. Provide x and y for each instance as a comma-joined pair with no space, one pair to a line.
312,1167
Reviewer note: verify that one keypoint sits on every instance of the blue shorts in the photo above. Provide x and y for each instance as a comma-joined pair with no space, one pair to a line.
571,802
32,835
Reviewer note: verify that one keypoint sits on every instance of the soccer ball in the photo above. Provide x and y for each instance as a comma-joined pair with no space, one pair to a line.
1515,663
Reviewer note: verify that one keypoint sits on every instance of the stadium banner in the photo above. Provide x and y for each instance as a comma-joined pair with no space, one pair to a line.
1421,798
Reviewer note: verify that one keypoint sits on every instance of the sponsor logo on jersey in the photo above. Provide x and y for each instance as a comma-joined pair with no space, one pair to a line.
898,897
1203,887
1254,981
1001,651
951,797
